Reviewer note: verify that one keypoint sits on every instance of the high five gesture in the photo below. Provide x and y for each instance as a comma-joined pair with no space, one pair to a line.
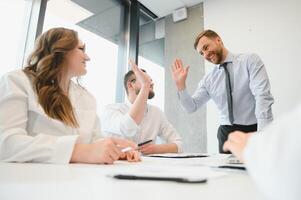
179,74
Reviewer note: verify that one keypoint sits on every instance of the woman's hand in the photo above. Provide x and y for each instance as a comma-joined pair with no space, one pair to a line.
102,151
131,156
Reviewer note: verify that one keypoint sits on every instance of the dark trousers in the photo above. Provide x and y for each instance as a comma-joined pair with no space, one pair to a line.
225,130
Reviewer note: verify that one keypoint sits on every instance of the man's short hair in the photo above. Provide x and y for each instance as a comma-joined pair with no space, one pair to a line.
207,33
129,76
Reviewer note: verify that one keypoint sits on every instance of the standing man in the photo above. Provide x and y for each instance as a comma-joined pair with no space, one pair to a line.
238,84
138,121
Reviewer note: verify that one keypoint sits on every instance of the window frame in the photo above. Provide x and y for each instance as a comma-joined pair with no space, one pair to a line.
128,47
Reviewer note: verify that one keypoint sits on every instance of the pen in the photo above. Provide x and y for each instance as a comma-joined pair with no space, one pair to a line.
130,148
232,167
143,143
158,178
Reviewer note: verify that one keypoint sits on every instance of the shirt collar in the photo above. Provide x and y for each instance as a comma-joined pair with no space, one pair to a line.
229,59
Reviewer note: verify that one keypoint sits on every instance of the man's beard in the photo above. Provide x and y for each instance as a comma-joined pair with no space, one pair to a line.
151,94
219,56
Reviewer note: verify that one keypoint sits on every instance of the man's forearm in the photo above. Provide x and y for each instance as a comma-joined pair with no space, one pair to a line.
167,148
264,112
138,108
186,101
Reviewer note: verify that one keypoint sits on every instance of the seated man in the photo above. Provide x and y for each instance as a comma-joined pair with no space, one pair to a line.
138,121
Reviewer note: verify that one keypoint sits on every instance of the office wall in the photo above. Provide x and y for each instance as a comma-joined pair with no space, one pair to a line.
179,39
150,47
271,28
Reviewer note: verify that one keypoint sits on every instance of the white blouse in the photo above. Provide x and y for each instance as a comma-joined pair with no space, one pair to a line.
27,134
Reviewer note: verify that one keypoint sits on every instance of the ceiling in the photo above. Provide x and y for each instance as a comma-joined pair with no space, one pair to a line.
165,7
103,17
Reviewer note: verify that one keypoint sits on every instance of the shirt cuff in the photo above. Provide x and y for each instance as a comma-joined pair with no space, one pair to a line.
183,94
63,149
179,145
262,123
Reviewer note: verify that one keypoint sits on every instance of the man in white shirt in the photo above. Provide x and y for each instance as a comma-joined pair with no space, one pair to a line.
272,157
138,121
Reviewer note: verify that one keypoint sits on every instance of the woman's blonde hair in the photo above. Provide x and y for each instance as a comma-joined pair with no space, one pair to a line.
45,66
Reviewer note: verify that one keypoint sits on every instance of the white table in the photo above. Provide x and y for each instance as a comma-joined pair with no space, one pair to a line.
82,181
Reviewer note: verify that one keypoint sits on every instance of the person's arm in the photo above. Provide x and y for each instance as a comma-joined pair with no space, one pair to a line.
117,123
272,157
200,96
260,87
159,148
169,134
104,151
198,99
16,145
101,144
236,143
139,105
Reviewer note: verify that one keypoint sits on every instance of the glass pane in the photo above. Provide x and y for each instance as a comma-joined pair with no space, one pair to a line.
11,21
157,74
98,26
151,55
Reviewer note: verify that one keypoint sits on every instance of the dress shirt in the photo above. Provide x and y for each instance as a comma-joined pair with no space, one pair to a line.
273,157
251,96
117,122
27,134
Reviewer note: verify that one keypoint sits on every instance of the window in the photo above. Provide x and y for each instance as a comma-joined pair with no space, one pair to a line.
151,56
98,26
157,74
11,22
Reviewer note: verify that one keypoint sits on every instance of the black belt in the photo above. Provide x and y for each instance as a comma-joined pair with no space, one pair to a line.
239,127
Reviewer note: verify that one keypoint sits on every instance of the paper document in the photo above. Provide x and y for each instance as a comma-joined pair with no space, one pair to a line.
182,172
231,162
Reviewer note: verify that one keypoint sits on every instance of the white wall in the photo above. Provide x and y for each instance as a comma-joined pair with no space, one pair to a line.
270,28
179,38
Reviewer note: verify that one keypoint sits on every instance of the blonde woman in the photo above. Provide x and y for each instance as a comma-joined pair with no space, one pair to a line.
46,117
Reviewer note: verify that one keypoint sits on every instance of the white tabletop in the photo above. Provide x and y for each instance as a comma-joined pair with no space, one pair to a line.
83,181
